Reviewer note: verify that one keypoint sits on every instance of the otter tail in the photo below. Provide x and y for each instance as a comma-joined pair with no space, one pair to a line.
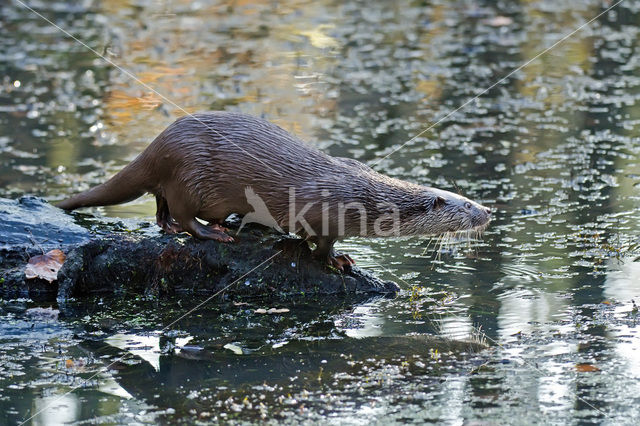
128,184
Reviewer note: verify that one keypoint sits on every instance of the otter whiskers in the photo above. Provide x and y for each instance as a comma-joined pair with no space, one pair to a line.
450,241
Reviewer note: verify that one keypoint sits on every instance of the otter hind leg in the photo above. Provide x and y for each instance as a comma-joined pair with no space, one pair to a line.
204,232
325,251
163,217
184,209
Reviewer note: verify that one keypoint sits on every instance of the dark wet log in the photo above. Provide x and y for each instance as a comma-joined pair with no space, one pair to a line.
116,256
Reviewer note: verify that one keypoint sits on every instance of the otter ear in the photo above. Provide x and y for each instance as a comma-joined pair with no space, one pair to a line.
438,202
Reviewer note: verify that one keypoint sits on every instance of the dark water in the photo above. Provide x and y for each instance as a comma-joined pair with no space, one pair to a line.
552,149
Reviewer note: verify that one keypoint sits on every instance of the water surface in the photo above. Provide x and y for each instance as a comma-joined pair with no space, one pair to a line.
552,149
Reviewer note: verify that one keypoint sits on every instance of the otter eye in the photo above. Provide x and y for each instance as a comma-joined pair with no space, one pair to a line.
467,205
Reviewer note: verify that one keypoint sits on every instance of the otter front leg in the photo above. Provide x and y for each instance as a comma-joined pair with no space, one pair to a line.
216,225
163,217
325,251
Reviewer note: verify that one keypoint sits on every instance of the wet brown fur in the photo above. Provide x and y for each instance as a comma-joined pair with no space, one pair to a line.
201,165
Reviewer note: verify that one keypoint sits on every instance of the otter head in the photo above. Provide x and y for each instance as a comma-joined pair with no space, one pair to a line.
441,211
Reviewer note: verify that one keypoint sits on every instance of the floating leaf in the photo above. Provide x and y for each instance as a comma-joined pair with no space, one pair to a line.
586,368
271,311
75,363
45,266
234,348
499,21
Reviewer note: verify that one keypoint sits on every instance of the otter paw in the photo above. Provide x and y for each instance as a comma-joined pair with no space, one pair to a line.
171,227
341,261
220,236
208,234
217,227
203,232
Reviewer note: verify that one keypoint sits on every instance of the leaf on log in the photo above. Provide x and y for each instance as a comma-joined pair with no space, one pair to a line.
45,266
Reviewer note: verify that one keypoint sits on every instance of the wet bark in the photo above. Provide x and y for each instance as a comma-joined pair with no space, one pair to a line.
117,256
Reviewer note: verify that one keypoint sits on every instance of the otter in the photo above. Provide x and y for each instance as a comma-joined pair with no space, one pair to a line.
210,165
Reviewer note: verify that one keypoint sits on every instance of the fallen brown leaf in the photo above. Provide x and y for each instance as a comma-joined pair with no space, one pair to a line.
45,266
586,368
75,363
